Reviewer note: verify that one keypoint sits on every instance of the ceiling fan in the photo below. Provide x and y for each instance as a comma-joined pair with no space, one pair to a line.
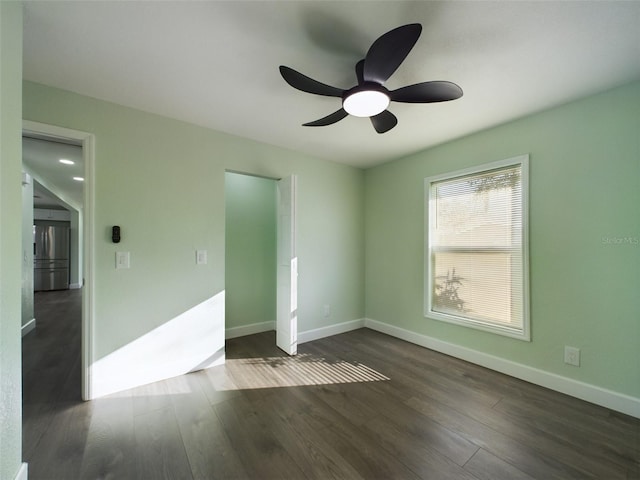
370,98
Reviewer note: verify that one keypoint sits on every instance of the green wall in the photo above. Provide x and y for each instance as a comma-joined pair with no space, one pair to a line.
10,239
584,197
250,250
162,181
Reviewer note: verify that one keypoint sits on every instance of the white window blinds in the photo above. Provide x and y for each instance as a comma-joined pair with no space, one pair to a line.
476,272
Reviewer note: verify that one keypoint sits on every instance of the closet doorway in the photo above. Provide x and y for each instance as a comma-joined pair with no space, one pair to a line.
260,257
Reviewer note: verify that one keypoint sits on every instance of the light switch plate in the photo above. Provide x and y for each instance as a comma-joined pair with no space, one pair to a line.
123,260
201,257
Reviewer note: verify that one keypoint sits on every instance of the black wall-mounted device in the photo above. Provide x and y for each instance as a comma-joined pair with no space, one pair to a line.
115,234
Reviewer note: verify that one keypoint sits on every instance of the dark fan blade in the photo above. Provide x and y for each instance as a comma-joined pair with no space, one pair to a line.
383,122
427,92
360,71
328,120
309,85
387,52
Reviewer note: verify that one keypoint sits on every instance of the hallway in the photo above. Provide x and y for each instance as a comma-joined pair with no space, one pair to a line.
50,364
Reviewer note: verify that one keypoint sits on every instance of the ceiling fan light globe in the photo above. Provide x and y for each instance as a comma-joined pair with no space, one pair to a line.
365,103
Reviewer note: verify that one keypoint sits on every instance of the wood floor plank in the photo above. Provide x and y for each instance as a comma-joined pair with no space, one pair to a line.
111,451
416,453
208,448
340,398
313,453
366,403
36,420
499,443
216,384
486,466
354,442
621,447
528,431
58,454
452,369
150,397
259,449
417,427
300,401
160,454
411,372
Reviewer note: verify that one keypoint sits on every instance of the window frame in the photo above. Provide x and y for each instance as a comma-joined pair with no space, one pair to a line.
429,216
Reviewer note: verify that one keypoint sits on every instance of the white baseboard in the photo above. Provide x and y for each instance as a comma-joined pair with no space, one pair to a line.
303,337
74,286
317,333
27,327
22,473
243,330
584,391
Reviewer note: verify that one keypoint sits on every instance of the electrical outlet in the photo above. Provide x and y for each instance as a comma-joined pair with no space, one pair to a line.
572,355
326,311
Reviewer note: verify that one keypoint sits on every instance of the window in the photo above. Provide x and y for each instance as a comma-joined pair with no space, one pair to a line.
476,271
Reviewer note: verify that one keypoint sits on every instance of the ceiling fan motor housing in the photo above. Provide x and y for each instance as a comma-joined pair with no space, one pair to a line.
366,100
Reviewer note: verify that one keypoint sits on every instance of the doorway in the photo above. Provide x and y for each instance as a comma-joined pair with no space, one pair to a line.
83,221
260,263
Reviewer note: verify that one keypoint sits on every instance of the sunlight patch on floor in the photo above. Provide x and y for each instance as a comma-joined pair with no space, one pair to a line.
300,370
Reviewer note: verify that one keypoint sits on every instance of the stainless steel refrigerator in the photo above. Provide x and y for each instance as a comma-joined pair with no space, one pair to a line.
50,257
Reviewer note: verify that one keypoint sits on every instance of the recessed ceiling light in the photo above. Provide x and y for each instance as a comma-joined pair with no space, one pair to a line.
78,179
66,161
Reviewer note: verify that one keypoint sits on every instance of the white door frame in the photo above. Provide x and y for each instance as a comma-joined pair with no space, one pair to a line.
88,234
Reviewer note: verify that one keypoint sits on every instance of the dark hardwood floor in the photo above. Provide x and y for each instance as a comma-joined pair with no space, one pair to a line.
360,405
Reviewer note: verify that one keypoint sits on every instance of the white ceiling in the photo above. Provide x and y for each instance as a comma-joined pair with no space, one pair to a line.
54,186
215,63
